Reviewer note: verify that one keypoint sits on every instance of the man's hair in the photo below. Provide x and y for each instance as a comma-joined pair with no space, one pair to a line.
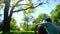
48,19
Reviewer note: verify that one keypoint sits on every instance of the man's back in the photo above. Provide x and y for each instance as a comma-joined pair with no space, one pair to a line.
51,28
48,27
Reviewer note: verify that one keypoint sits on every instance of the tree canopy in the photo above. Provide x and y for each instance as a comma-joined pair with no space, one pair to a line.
55,15
13,26
40,17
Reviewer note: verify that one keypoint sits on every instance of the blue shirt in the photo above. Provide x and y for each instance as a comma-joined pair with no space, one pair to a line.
51,28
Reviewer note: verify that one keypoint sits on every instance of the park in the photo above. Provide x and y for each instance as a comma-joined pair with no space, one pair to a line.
21,16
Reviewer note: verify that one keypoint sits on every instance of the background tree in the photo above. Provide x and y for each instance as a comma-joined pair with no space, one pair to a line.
40,17
27,19
13,26
31,27
55,15
24,26
26,22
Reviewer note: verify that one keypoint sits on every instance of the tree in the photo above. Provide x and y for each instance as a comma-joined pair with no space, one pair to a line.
31,27
24,26
40,17
27,19
6,28
1,26
55,15
7,18
13,26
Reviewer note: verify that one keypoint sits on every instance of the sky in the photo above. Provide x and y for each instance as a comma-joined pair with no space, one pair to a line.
45,8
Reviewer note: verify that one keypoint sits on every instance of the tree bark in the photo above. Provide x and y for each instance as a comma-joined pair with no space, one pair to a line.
6,21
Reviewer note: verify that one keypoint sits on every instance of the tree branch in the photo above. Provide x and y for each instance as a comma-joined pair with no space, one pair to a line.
23,4
28,8
11,11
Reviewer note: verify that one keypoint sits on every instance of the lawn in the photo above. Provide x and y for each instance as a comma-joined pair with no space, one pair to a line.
24,32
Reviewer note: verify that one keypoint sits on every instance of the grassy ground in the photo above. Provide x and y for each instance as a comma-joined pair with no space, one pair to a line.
25,32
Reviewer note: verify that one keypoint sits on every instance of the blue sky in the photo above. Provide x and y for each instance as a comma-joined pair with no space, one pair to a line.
45,8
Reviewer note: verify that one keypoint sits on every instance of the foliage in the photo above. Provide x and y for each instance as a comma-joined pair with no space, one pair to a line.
40,17
30,10
1,4
26,18
55,15
13,26
31,28
24,27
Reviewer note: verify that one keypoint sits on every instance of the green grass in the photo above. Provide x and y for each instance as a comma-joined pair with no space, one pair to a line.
25,32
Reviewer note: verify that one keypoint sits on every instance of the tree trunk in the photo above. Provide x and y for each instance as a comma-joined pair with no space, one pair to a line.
27,26
6,26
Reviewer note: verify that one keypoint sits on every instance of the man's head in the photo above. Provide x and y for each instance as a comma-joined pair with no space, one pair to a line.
48,19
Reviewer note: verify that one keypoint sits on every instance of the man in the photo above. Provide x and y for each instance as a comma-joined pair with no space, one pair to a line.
49,27
40,29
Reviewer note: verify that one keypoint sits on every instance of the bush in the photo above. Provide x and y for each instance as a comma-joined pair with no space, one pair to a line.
25,32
